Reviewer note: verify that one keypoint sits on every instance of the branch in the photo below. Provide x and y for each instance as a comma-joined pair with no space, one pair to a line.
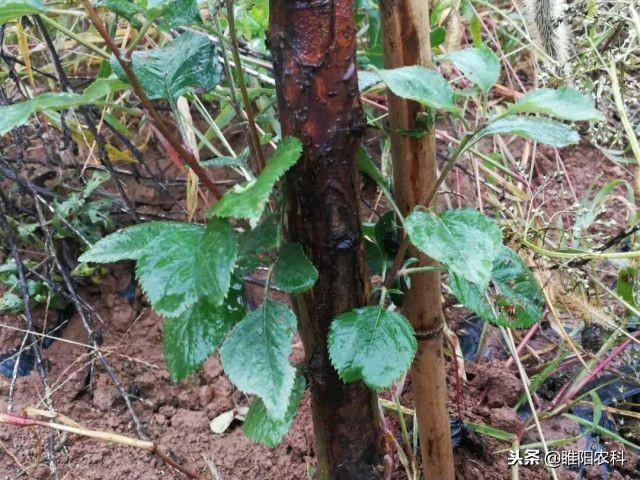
160,124
254,137
22,421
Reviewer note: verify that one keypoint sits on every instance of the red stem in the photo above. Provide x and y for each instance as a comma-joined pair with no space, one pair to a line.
530,333
456,366
139,91
562,396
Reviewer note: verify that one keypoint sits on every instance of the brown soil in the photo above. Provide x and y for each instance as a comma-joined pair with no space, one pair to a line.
177,415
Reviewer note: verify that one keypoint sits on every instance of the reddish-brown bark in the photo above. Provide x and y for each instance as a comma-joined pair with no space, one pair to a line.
313,48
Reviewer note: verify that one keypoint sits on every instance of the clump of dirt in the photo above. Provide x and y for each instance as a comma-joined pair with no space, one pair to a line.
500,387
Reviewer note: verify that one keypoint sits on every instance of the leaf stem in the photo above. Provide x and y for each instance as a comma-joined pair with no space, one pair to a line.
235,50
20,421
226,64
580,255
75,37
462,147
620,106
427,268
63,11
405,435
404,245
141,33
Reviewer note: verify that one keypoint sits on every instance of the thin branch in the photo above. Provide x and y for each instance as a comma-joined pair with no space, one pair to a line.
157,119
86,319
28,315
22,421
255,138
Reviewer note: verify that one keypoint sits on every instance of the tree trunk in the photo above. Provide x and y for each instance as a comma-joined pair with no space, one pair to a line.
405,38
313,48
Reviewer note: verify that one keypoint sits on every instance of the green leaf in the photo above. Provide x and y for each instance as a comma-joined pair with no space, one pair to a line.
566,103
11,303
371,344
190,338
174,13
541,130
472,297
248,200
10,9
367,79
437,36
626,285
491,432
375,56
589,208
293,272
96,179
480,65
165,270
8,272
261,428
123,8
214,260
181,267
374,34
463,239
475,28
421,85
252,243
516,283
189,63
130,243
17,114
262,238
386,234
375,257
255,356
538,379
518,297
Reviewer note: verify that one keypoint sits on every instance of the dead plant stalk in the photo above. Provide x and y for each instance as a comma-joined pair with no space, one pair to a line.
24,421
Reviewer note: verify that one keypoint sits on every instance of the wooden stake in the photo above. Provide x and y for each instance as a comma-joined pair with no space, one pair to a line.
405,36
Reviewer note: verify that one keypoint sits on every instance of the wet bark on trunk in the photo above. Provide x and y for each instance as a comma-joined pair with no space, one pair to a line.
313,48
